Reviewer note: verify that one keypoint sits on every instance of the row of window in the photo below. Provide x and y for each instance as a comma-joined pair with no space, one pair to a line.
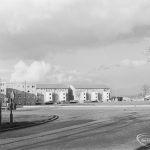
53,90
51,93
22,86
2,90
63,97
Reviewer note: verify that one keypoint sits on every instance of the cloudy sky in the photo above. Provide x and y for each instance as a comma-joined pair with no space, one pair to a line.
76,41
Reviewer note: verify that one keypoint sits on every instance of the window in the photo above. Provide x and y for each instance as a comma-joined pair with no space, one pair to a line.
64,98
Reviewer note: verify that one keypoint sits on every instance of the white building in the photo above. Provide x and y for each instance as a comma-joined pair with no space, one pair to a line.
106,94
84,93
94,96
48,96
53,92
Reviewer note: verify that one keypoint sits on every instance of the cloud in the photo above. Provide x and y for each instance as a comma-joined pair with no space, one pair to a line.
40,71
34,72
133,63
34,28
123,63
61,75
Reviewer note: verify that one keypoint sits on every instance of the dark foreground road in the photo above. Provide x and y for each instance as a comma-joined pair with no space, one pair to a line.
100,129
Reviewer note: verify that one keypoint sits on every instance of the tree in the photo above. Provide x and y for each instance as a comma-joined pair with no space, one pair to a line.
145,90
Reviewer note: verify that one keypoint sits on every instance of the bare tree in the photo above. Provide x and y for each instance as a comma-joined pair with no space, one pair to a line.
145,90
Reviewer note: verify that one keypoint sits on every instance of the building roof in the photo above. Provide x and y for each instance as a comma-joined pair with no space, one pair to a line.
51,86
94,86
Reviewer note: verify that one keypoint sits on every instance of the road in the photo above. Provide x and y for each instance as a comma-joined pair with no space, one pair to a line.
83,129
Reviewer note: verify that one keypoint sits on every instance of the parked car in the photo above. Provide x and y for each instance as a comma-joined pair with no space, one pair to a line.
49,103
147,98
38,103
94,100
73,101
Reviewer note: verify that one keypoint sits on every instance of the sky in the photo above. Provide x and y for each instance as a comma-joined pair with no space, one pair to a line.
101,42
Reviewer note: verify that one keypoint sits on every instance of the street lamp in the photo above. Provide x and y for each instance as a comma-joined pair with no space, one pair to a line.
25,94
0,112
11,107
0,109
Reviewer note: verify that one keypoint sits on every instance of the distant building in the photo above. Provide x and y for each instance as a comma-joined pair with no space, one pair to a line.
31,93
3,88
84,93
116,99
22,86
53,92
21,97
25,93
126,99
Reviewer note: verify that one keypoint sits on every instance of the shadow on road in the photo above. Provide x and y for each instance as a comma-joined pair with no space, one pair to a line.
146,147
17,124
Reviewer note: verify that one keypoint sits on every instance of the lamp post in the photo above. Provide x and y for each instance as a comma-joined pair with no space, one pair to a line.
0,113
11,107
25,103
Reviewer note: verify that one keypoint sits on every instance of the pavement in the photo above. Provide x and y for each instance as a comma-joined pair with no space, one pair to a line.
89,106
47,133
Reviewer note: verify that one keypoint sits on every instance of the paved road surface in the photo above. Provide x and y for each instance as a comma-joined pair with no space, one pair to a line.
88,129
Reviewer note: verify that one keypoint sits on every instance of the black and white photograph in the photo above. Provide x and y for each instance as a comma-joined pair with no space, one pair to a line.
74,74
